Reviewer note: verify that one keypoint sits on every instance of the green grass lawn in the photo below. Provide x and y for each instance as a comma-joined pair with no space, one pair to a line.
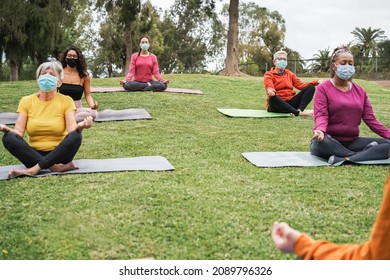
215,205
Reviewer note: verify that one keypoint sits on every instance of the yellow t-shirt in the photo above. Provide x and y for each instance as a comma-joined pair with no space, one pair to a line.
46,126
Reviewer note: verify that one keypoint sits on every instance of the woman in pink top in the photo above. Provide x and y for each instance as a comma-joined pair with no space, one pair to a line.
143,66
339,107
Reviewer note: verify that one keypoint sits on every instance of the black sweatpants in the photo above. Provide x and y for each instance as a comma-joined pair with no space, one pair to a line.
63,153
298,103
360,149
140,86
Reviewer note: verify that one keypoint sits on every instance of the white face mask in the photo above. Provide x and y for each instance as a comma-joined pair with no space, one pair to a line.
144,46
281,64
47,82
345,71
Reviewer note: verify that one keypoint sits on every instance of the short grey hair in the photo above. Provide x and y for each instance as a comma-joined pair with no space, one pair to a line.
279,52
52,65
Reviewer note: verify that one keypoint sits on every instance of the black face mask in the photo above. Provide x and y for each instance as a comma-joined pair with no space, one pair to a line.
71,62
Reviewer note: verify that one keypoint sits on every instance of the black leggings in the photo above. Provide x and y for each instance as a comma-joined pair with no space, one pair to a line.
360,149
139,86
63,153
298,103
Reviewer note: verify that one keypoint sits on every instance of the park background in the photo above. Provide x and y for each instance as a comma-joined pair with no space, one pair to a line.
215,204
190,36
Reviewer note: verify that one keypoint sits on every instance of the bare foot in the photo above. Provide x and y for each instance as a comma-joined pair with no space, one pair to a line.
308,113
12,173
63,167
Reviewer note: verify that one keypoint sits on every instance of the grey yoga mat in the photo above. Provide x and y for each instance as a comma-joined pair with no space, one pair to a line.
121,115
143,163
249,113
303,159
8,118
102,116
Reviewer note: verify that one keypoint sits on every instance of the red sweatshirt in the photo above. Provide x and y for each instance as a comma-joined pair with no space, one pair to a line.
284,84
142,68
376,248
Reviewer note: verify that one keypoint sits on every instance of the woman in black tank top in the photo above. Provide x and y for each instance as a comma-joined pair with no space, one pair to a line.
77,81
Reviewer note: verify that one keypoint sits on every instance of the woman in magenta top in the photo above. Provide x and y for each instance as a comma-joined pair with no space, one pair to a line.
143,66
339,107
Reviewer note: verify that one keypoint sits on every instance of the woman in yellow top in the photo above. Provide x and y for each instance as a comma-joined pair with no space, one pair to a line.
49,119
289,240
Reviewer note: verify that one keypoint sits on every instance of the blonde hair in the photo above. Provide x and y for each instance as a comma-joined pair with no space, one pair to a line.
52,65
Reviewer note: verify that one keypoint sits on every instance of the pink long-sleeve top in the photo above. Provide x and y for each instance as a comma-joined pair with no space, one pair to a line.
340,113
143,68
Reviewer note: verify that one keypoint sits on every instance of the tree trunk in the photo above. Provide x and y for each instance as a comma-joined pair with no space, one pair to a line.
231,62
129,49
109,70
13,66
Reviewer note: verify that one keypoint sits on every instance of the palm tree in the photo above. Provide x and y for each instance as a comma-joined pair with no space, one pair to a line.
296,62
321,61
368,39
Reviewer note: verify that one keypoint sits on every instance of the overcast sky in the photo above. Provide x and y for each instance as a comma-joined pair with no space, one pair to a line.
316,25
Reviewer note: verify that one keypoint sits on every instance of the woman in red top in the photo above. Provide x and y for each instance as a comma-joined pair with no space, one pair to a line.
143,66
279,86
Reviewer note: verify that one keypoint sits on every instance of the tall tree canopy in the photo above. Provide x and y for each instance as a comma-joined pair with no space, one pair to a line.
34,30
191,32
112,54
367,39
384,52
127,13
186,38
261,33
31,28
322,61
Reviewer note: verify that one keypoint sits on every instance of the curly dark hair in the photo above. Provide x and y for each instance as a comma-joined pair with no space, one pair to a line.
335,54
81,66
